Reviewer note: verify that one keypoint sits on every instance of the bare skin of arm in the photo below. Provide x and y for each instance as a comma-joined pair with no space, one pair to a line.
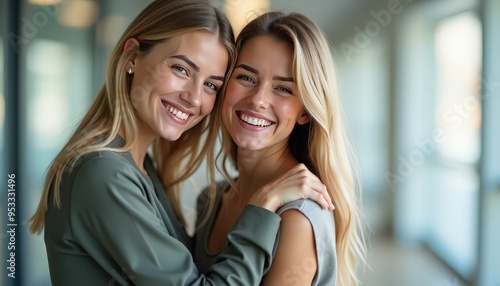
295,261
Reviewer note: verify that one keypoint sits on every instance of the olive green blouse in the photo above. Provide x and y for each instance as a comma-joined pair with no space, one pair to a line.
116,227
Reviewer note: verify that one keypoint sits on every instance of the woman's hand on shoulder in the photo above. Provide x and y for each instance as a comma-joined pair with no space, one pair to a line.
297,183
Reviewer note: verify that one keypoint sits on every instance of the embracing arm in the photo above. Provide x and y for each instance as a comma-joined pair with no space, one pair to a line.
295,262
127,235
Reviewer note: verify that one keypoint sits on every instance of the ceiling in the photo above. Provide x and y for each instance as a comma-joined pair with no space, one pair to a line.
338,18
333,16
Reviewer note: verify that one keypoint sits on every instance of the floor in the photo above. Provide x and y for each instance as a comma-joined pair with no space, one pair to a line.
395,265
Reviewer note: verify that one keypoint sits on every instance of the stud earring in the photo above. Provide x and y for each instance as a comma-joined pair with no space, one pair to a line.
130,71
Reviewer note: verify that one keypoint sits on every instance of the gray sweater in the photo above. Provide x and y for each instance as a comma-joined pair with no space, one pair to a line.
322,223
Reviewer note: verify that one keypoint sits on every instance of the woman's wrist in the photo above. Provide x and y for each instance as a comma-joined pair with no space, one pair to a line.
264,200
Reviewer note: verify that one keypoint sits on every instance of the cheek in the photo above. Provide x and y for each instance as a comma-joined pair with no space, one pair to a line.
234,94
143,86
158,77
208,104
228,104
138,96
289,110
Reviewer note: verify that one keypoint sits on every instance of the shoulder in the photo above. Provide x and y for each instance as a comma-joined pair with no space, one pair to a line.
106,186
295,260
101,174
308,207
305,210
295,223
308,232
102,167
98,163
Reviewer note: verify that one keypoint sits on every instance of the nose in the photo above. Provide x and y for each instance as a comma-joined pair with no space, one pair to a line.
259,98
192,94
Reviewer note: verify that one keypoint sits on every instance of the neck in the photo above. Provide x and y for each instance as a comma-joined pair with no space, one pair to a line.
140,148
258,168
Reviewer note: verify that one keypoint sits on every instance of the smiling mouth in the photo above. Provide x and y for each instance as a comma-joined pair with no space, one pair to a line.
179,114
255,121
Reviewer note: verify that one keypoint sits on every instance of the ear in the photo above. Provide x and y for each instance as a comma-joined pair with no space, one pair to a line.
304,118
131,47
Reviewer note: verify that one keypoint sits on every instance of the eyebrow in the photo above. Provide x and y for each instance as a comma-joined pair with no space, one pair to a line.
196,67
283,78
276,77
188,61
248,68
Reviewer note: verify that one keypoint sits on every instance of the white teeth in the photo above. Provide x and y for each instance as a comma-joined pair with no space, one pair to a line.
254,121
177,112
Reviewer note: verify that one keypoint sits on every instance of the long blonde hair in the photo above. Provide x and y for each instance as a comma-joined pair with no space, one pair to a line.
329,153
112,110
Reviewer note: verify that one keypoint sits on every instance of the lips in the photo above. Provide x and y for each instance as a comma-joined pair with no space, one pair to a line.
254,120
176,112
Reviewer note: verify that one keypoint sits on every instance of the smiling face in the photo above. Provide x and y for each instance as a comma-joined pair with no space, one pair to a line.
175,84
261,104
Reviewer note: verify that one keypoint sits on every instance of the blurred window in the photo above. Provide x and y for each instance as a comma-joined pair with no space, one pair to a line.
453,229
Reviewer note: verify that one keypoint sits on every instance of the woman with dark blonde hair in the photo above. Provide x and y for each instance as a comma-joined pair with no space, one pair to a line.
104,211
281,108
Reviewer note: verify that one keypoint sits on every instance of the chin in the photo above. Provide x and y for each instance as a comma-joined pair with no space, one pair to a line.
249,146
171,136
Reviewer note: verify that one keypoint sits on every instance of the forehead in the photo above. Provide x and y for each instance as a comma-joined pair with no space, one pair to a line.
203,48
267,51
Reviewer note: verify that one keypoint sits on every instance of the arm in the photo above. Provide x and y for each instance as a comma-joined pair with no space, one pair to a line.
295,262
116,224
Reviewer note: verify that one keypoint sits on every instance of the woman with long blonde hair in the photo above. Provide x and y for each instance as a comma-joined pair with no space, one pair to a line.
281,108
104,211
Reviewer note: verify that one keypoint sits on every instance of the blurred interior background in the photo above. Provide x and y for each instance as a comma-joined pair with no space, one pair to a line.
420,85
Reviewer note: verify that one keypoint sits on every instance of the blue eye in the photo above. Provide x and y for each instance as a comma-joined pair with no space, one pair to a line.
212,86
180,69
284,89
245,78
